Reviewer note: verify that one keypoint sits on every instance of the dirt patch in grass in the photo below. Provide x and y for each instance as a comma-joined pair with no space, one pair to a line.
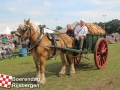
104,84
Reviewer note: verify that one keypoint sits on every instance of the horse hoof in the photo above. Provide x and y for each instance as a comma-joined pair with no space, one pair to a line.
61,75
41,83
72,74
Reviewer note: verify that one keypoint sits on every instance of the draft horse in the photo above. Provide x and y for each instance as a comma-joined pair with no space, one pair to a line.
40,51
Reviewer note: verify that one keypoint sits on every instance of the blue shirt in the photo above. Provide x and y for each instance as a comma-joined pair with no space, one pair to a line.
3,39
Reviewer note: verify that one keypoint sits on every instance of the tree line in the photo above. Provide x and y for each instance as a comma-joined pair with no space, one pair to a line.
110,26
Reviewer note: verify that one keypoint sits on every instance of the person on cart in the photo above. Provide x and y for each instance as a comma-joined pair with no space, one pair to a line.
80,33
70,31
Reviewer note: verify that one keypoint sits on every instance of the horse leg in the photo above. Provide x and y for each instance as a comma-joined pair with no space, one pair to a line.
42,70
72,69
63,70
37,63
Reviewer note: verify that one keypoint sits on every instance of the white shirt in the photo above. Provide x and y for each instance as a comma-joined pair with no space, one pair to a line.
81,30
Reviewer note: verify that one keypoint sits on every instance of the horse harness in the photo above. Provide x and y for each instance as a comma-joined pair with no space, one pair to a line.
51,36
39,38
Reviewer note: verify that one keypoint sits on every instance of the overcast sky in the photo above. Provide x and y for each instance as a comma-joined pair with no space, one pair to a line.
59,12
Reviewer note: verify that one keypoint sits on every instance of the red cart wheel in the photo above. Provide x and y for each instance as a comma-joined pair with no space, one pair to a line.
101,53
76,59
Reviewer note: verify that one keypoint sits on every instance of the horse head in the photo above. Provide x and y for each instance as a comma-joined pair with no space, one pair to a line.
26,30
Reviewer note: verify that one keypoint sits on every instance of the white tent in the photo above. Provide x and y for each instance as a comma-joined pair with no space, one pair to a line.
6,31
6,28
65,29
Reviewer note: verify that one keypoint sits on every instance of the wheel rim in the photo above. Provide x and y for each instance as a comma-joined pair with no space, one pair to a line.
101,53
76,59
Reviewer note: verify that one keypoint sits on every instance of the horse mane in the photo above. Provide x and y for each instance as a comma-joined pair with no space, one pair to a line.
35,27
21,26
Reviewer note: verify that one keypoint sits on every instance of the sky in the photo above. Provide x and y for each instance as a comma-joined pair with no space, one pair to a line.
54,13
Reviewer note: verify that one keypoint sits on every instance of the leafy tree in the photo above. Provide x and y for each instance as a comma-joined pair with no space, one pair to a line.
58,28
113,26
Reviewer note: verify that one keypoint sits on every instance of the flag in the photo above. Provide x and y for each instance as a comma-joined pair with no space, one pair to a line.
5,80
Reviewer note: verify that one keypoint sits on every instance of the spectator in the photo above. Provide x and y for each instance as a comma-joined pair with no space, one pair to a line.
4,39
8,42
11,46
112,39
7,50
2,51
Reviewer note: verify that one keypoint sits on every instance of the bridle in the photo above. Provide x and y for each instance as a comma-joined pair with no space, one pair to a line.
25,28
28,28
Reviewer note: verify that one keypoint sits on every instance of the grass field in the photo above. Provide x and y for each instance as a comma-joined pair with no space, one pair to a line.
87,76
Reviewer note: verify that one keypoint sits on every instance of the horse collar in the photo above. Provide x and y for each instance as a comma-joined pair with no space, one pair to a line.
39,38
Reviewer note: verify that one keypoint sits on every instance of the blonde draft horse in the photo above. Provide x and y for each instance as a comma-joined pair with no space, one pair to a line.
27,30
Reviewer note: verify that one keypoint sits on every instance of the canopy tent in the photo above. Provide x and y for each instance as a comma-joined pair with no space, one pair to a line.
6,31
6,28
65,29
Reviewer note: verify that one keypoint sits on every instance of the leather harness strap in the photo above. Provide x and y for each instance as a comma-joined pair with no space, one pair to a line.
39,38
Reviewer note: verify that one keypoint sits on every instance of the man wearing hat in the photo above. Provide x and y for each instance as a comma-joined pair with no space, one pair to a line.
80,33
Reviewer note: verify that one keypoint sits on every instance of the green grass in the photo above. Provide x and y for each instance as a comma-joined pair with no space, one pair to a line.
87,76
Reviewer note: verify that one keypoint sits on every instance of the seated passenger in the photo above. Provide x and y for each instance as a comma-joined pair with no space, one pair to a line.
69,31
80,33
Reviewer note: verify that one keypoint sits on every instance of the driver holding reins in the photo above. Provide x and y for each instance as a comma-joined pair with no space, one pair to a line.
80,33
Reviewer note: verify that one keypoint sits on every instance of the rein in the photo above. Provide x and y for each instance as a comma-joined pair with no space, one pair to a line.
39,38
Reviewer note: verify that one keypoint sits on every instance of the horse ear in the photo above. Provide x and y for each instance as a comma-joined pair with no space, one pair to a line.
24,20
28,21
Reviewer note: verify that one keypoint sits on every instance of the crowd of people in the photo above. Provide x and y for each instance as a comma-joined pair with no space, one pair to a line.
6,46
113,38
